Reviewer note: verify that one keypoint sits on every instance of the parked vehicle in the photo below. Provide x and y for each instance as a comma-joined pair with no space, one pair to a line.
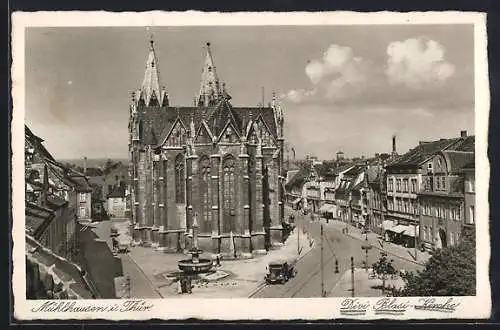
280,271
123,244
113,232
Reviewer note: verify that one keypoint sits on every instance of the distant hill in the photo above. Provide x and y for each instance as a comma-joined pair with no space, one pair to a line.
92,162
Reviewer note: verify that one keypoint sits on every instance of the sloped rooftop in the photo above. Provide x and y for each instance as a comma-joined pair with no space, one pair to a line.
458,159
424,150
117,192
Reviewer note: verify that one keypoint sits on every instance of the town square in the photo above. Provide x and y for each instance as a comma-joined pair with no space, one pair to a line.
236,162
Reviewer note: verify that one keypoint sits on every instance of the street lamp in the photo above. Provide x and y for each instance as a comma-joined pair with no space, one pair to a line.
366,247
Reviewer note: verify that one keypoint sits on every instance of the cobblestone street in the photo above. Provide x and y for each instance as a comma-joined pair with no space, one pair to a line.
399,251
243,276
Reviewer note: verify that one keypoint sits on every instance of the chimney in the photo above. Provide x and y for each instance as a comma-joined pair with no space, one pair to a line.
394,144
463,134
85,165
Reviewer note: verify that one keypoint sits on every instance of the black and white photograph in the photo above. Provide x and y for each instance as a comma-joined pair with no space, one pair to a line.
178,156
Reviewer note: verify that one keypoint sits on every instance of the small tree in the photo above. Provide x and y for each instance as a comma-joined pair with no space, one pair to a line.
449,272
383,268
96,191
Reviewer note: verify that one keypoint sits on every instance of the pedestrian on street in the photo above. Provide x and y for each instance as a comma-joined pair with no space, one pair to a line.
179,287
115,244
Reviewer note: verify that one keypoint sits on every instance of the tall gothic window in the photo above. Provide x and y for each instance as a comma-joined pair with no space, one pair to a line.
140,129
180,183
229,190
205,195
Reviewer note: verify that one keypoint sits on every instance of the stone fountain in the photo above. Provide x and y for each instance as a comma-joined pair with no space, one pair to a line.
195,265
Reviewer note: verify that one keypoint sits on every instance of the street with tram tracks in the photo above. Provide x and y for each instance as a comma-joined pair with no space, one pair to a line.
336,246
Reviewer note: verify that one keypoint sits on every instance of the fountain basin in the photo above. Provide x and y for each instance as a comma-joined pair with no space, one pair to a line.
188,266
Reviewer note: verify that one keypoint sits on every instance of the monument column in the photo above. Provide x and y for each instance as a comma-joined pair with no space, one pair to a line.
215,162
191,195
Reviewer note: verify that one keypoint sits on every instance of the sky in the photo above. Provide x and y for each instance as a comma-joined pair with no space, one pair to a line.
346,88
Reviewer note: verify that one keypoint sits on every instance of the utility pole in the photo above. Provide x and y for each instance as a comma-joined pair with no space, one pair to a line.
298,237
415,247
322,275
352,276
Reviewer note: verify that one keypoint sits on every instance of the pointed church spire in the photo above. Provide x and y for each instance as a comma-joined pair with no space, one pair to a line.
192,127
151,84
209,88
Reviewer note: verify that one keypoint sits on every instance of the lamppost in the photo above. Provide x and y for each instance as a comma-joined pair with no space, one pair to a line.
298,234
366,247
415,242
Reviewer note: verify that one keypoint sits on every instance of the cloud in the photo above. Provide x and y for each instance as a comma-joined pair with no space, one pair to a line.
413,74
335,60
297,96
337,74
417,63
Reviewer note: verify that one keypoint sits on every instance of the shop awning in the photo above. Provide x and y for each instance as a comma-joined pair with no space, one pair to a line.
297,200
398,229
324,208
411,232
331,209
387,224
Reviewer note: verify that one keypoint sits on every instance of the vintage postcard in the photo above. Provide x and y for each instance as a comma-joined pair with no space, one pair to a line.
246,166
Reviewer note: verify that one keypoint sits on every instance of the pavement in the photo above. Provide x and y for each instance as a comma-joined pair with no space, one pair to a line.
152,272
364,284
97,257
140,285
314,276
393,249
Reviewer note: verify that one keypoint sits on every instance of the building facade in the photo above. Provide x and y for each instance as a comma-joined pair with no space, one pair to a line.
218,163
469,175
52,186
116,202
442,201
377,202
405,182
53,264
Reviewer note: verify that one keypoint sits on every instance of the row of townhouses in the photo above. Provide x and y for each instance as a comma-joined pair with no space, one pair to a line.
425,196
57,203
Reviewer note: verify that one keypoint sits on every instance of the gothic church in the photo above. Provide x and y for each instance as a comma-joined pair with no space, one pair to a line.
211,164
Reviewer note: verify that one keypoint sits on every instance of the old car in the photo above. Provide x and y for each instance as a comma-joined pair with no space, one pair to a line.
280,271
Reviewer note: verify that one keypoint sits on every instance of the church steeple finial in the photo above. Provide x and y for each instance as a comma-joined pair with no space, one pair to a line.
151,85
210,89
151,42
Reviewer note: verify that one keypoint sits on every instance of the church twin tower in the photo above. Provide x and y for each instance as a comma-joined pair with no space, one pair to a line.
211,164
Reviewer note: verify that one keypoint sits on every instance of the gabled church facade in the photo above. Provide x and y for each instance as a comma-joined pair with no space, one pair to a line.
212,164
